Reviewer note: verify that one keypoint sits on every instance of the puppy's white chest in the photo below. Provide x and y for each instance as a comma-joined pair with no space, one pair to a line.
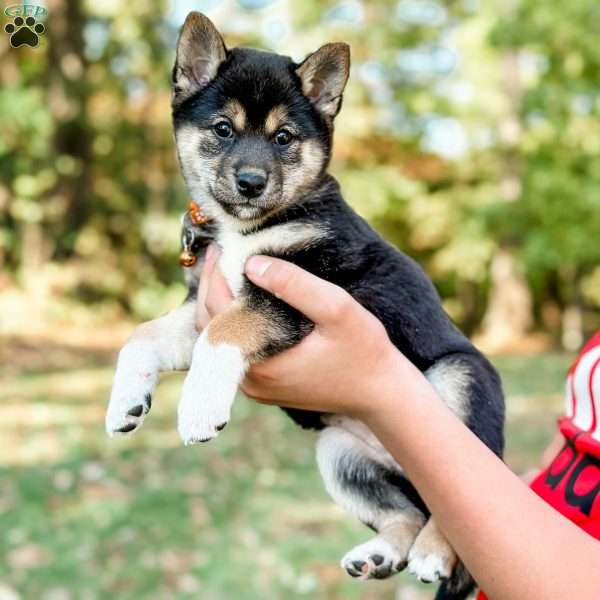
237,248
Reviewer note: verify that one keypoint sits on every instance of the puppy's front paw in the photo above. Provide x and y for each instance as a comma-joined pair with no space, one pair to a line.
209,390
131,395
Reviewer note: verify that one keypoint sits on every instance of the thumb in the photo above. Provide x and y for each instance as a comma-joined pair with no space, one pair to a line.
316,298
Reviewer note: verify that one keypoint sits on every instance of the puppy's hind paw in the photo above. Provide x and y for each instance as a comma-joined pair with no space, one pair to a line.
430,563
375,559
431,557
429,568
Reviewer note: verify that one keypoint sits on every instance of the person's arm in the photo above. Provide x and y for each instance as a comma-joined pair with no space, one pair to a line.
548,455
515,545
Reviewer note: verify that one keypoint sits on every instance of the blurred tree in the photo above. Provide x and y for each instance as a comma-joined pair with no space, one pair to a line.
556,221
469,138
88,163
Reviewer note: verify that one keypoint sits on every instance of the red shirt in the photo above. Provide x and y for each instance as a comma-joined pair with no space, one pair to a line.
571,484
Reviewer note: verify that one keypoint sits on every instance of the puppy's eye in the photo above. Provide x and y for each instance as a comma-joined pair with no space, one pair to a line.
283,137
223,129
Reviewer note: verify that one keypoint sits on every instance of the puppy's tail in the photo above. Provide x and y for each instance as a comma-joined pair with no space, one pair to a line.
458,587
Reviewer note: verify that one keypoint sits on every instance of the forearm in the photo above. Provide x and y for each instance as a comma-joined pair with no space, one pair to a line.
512,542
165,343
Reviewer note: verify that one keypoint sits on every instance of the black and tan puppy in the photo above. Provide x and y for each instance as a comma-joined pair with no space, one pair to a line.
254,133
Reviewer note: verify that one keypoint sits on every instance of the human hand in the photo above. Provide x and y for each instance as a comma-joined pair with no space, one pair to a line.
338,368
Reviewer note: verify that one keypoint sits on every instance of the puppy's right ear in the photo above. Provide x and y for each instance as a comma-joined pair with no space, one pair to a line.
200,51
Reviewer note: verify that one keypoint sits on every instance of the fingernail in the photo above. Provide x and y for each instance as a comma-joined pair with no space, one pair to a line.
257,265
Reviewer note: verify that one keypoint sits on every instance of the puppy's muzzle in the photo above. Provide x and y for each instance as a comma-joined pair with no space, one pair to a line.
251,184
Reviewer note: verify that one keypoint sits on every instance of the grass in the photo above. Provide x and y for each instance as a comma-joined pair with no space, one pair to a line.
246,517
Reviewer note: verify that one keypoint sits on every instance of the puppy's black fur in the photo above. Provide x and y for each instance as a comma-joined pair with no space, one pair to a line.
230,108
391,286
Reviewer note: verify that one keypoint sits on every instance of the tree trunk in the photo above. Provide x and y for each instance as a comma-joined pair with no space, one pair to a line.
67,99
509,314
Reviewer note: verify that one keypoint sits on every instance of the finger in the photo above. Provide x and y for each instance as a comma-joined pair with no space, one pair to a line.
277,368
218,296
267,396
319,300
258,394
254,391
210,260
268,379
202,316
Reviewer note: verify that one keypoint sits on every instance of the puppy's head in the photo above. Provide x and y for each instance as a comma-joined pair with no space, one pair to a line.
253,129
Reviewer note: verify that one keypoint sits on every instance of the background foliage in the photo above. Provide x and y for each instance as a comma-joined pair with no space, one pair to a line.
470,131
245,517
469,138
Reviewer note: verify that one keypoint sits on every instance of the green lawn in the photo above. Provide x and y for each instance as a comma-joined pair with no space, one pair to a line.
84,516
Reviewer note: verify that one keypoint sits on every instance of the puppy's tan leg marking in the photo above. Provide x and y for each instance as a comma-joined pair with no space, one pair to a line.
220,361
431,556
242,327
402,532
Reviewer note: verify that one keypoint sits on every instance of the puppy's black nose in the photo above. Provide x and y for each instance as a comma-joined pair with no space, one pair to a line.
250,183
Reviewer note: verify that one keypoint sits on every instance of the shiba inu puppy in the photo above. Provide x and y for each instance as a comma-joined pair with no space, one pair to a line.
254,135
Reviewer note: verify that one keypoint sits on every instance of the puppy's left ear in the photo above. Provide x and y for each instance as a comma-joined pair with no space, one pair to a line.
324,74
200,52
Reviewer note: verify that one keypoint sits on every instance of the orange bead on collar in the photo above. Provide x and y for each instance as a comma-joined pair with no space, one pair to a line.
196,214
187,258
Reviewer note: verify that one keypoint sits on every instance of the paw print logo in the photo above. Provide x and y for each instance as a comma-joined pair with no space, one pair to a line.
24,31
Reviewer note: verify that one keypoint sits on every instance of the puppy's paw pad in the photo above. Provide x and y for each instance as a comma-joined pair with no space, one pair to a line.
357,568
375,559
429,568
191,441
136,411
129,405
126,428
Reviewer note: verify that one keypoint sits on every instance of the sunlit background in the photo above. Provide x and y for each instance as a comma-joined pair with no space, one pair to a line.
469,137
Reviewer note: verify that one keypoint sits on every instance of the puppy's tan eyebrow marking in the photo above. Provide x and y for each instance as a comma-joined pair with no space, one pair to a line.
236,113
275,119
